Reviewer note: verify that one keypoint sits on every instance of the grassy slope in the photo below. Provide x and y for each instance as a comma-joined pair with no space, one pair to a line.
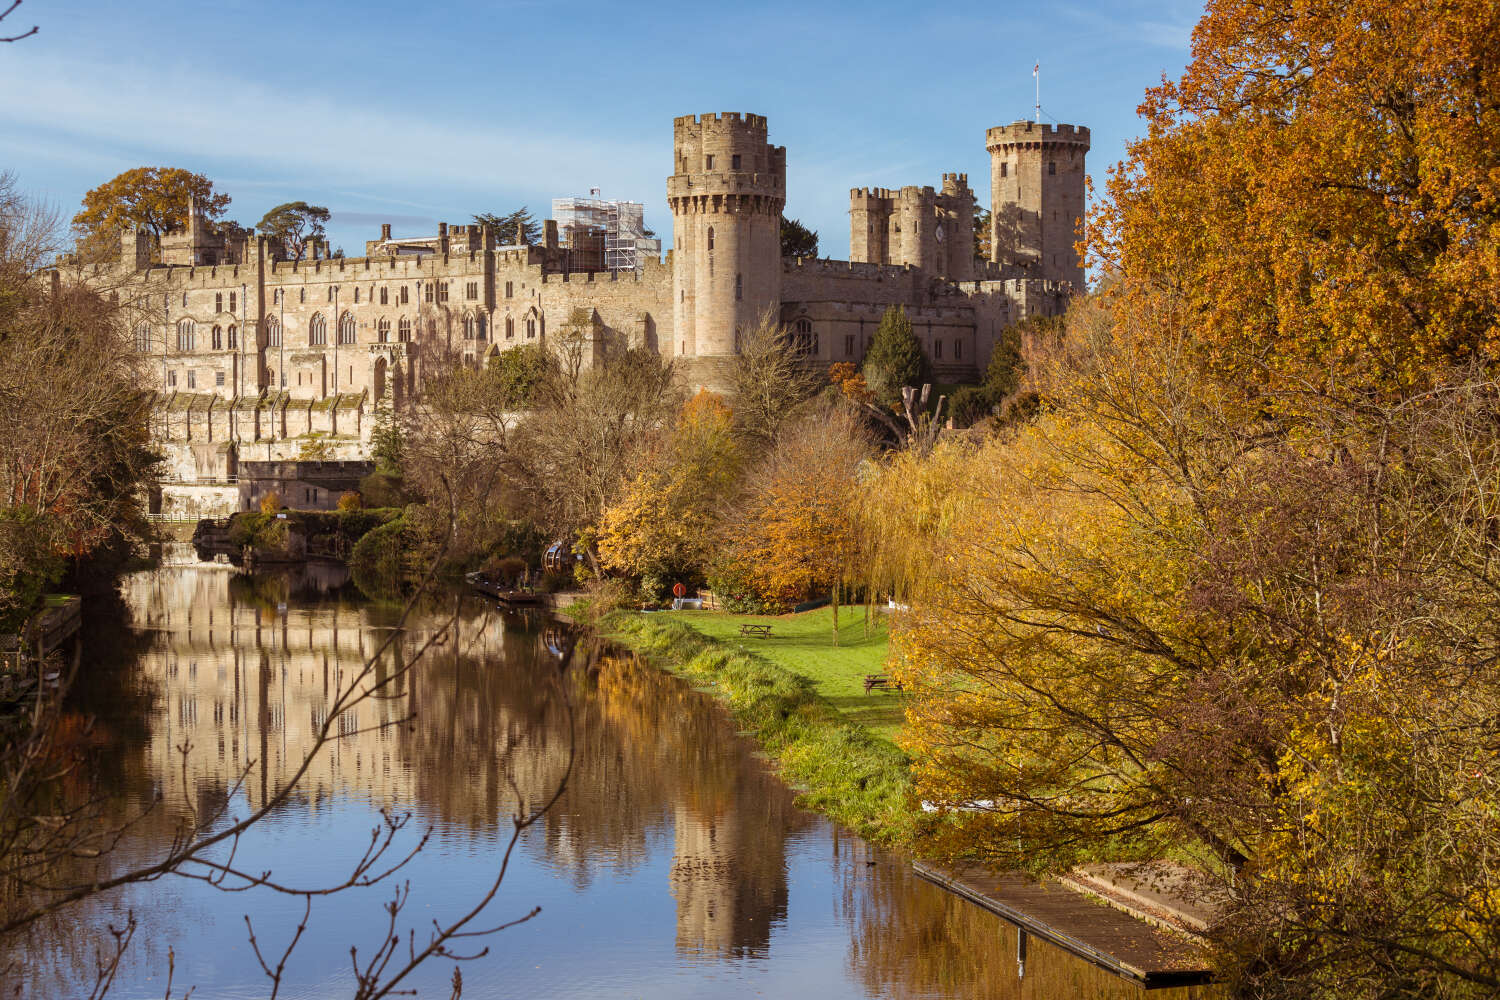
843,768
804,645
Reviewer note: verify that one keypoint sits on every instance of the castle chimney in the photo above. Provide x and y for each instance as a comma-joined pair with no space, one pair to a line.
385,230
442,237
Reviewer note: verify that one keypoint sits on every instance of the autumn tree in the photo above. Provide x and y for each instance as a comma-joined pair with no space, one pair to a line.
154,198
664,527
1158,621
792,536
294,227
895,358
1319,191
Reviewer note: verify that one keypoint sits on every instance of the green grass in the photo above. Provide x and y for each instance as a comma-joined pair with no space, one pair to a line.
804,645
842,767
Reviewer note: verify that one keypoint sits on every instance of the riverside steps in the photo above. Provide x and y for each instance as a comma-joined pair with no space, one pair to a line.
1101,934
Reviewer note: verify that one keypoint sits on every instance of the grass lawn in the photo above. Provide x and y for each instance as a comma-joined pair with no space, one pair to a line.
804,645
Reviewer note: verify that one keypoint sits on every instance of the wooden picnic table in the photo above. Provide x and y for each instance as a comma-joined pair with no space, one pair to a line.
755,628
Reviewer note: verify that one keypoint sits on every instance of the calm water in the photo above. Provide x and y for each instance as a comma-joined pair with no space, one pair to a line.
676,865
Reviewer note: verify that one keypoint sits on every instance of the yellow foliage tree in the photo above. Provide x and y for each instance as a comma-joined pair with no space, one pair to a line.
664,524
1157,622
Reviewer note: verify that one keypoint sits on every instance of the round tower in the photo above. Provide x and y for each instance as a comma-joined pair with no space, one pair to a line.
727,190
1036,198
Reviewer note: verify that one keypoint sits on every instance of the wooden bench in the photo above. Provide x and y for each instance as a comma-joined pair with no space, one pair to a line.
752,628
883,681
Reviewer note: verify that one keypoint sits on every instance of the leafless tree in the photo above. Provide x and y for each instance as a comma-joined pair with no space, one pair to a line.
25,34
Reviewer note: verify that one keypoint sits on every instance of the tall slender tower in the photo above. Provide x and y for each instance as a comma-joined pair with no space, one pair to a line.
1036,198
727,190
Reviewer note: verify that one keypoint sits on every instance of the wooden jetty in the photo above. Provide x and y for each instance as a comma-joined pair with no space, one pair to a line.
1100,934
514,598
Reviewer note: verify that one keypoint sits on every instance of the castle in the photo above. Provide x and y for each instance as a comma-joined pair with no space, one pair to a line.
267,359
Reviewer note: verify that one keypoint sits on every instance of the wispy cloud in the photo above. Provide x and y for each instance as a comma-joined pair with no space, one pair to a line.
338,133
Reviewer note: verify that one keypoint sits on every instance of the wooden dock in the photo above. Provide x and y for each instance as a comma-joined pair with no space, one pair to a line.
1105,936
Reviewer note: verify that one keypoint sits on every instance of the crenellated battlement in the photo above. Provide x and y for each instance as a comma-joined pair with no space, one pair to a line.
845,268
1026,132
745,119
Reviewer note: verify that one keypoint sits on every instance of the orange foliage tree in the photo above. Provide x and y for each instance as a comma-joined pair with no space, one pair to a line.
1321,192
155,198
794,536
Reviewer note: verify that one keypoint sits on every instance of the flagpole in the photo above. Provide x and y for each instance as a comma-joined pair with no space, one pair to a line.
1036,74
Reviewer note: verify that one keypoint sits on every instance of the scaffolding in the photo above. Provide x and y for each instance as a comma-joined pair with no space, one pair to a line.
613,233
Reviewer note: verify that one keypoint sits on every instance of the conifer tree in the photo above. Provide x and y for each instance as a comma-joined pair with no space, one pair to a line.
895,358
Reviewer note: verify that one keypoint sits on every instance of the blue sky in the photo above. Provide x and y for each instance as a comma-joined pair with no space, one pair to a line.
413,113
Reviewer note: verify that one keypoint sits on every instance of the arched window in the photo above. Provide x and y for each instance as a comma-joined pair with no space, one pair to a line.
143,337
331,291
273,333
468,327
234,337
804,338
383,330
217,337
510,328
317,331
479,328
710,237
185,332
531,326
384,295
346,329
403,330
356,295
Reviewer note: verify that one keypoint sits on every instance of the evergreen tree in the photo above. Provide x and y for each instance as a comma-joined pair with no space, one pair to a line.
386,444
895,358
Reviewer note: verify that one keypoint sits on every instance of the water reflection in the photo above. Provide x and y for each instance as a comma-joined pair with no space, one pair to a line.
675,865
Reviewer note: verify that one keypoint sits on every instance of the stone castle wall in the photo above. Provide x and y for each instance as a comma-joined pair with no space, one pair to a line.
253,357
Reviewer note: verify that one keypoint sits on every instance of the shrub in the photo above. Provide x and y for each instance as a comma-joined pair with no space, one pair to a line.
350,500
270,503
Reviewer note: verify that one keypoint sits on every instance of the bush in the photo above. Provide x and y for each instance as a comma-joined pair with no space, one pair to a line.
971,404
732,588
383,489
377,564
350,500
270,503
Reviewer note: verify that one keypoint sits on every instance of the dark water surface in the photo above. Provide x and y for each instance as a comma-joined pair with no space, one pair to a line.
676,865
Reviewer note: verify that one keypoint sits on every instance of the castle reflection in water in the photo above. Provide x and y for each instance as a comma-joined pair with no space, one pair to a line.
241,671
245,672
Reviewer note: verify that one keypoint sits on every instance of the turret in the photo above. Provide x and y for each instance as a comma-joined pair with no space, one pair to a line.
726,192
1036,198
915,227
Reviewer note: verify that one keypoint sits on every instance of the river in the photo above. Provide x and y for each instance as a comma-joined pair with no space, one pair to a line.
676,864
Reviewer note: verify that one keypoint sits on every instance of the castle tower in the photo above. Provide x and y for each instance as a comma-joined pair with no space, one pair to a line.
1036,198
916,227
727,190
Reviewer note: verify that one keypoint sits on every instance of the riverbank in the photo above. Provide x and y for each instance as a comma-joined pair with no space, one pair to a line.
802,698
